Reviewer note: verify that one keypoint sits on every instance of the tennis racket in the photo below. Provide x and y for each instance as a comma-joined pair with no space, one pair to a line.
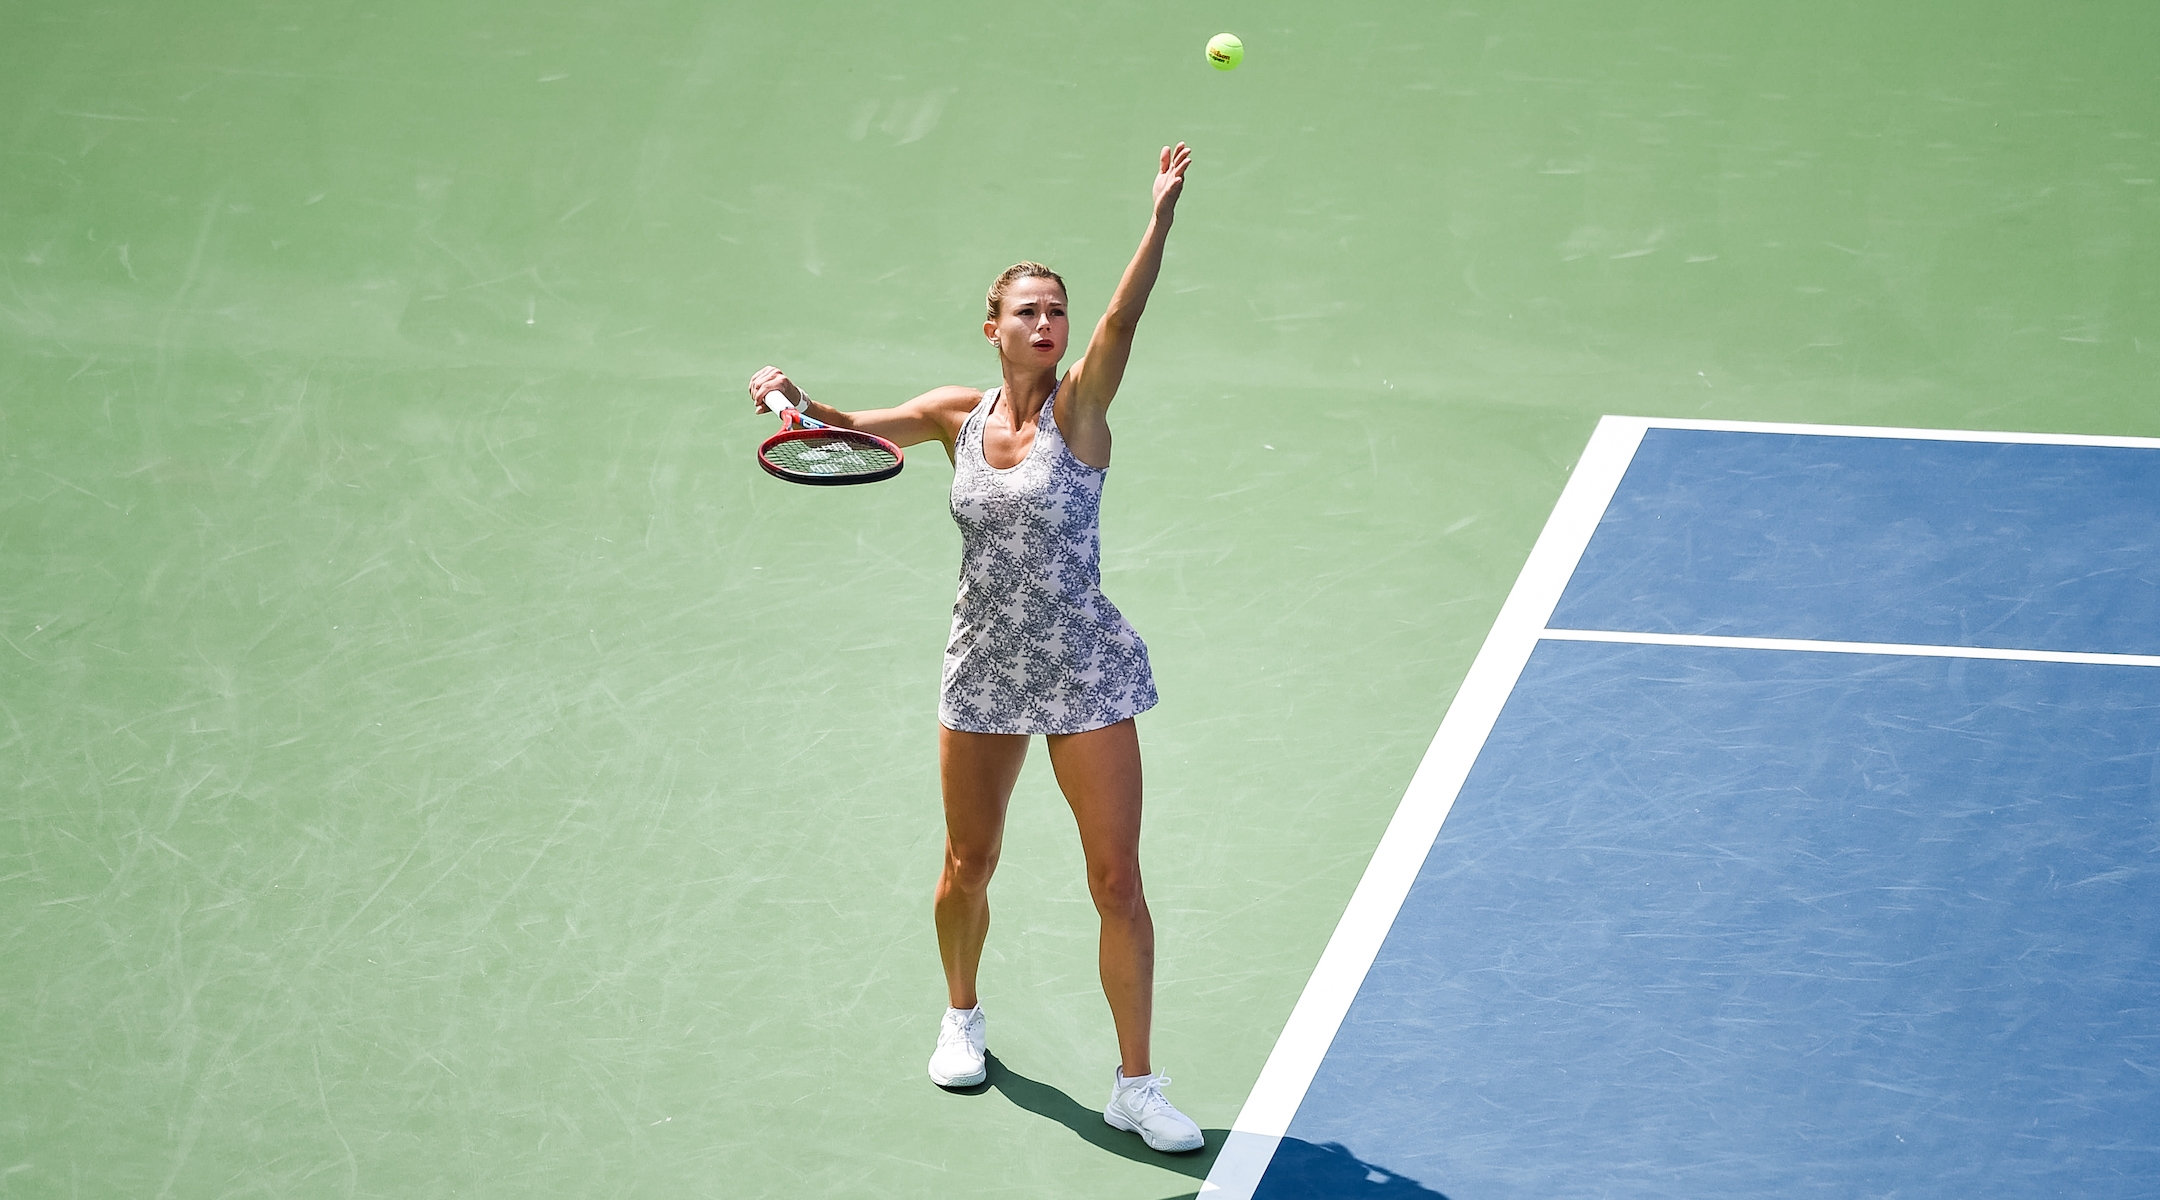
807,451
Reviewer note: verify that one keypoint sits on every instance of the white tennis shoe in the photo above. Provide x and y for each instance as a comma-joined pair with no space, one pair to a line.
1137,1106
958,1060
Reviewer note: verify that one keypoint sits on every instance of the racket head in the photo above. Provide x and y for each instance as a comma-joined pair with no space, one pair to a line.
829,457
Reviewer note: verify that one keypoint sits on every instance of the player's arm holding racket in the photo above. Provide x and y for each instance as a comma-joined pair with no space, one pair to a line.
929,417
934,416
1093,381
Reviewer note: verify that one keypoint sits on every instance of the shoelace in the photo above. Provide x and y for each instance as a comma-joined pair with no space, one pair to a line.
955,1031
1149,1093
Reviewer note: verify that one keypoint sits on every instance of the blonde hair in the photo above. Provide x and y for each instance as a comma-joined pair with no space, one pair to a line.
1019,270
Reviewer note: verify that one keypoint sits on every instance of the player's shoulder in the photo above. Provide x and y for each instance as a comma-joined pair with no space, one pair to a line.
951,399
945,408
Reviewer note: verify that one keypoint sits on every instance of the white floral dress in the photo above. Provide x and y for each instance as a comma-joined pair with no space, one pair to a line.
1036,647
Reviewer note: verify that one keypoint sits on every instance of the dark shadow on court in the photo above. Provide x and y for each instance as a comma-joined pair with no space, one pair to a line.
1324,1172
1046,1101
1299,1168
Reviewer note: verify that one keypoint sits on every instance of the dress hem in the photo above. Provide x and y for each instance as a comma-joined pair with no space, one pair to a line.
943,723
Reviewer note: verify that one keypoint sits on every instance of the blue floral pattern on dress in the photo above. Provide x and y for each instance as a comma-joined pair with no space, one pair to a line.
1036,647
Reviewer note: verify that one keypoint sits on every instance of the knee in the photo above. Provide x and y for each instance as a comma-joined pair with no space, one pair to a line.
1117,892
967,871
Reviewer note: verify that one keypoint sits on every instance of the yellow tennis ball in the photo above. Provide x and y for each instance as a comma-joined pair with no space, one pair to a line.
1225,52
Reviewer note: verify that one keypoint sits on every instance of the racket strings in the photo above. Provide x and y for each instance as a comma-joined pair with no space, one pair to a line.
830,456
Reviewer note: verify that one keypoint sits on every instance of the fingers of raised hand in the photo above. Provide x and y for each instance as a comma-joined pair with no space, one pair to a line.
1175,159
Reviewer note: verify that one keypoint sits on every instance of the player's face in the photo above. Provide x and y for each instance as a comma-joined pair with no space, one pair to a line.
1032,328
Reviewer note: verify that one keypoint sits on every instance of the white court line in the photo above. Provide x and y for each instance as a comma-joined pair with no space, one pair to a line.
1289,1071
1335,980
1916,651
1882,431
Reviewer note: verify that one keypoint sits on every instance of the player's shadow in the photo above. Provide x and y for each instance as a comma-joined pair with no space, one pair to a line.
1327,1171
1045,1101
1299,1168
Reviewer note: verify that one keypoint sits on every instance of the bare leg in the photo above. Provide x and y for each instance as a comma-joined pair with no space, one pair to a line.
1099,772
978,771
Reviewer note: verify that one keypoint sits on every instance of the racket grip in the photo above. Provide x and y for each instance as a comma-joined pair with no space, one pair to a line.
777,401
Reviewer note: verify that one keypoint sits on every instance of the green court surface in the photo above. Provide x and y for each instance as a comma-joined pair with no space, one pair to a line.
438,762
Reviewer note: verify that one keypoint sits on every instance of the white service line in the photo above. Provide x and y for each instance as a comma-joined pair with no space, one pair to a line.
1883,431
1259,1127
1714,641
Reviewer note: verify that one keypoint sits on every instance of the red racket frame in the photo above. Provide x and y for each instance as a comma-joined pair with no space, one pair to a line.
826,431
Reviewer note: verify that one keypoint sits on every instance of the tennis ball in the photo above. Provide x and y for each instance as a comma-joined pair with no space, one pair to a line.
1225,52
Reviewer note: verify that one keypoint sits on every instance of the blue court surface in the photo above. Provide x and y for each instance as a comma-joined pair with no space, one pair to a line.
1795,833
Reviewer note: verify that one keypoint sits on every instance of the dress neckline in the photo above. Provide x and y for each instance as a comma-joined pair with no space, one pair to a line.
990,400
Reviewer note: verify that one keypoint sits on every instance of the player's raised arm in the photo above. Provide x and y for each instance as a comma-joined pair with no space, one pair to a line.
934,416
1094,380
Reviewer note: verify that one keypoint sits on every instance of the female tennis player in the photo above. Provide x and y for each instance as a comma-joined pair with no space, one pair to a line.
1036,647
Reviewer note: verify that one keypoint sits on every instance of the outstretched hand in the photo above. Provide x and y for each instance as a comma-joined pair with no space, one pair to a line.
1171,180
